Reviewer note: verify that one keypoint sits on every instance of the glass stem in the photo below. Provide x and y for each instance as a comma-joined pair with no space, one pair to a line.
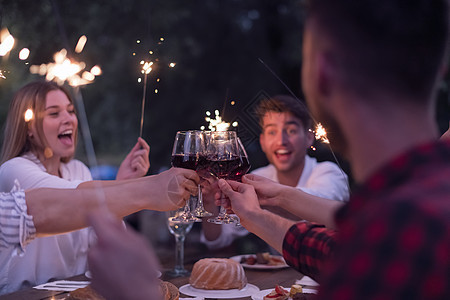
200,197
222,211
187,207
179,252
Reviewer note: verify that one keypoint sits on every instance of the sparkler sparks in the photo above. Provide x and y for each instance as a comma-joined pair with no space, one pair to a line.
6,42
147,67
63,69
217,124
24,53
2,76
321,134
29,115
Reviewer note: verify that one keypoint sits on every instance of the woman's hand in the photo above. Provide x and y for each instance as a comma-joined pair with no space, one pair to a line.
136,163
170,189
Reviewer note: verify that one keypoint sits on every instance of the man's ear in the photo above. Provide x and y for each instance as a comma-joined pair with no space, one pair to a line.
326,74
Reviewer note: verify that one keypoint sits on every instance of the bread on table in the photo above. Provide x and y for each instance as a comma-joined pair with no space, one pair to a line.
86,293
168,290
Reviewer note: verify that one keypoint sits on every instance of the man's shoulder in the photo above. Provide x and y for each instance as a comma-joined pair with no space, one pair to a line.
266,171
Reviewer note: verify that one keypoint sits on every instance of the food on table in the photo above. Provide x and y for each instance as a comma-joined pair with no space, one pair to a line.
169,290
86,293
217,274
279,293
295,289
262,258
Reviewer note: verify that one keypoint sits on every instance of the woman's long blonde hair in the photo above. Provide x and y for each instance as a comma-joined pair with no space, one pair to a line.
16,140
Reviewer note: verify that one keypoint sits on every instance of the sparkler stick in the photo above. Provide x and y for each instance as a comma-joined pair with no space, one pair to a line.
146,69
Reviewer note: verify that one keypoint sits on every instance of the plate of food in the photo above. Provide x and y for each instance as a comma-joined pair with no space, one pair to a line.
261,261
295,292
247,291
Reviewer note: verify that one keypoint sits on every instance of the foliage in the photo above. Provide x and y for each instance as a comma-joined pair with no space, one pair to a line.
216,45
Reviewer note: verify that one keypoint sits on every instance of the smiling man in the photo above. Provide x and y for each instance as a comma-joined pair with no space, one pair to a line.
285,139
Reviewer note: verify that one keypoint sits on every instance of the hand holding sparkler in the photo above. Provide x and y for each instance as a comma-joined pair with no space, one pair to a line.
136,163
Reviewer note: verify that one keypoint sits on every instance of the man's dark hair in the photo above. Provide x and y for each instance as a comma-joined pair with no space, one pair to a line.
398,45
284,103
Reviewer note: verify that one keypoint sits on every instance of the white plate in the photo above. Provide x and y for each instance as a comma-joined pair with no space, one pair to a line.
260,295
89,275
246,291
259,266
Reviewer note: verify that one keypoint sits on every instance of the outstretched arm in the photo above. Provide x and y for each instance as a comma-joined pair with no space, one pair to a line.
306,206
244,203
305,246
61,210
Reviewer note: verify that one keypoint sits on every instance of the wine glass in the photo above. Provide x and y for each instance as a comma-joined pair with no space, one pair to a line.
244,165
189,152
179,230
201,169
223,157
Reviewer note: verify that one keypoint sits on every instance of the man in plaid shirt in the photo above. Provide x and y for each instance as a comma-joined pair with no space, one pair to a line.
370,73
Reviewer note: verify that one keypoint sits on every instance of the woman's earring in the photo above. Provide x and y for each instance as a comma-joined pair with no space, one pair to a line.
48,152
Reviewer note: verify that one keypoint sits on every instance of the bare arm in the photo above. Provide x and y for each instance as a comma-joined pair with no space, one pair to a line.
61,210
244,202
304,205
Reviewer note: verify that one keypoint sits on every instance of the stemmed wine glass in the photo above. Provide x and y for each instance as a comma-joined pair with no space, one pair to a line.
188,152
179,230
244,165
223,157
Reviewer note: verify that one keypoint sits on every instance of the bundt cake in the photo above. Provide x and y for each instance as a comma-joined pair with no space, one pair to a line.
217,274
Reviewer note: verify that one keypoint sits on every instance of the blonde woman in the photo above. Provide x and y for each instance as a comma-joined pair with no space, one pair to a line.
39,153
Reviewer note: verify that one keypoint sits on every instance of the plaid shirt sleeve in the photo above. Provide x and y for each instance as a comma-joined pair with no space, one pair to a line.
398,253
307,246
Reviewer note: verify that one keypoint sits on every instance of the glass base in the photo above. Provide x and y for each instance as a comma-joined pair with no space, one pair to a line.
185,219
224,219
178,273
201,213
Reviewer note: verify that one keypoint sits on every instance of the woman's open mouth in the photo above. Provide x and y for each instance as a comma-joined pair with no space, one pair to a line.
66,137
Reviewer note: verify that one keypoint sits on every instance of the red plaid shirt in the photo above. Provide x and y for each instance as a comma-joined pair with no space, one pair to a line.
393,240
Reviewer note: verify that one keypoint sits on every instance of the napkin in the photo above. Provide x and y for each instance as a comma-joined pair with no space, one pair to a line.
307,281
62,285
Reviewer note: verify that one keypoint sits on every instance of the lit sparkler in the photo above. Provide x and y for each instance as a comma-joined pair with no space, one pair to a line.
29,115
146,69
6,42
321,134
63,69
2,76
217,124
24,53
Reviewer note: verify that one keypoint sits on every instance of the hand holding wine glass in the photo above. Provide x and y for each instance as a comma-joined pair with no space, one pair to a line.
189,153
223,159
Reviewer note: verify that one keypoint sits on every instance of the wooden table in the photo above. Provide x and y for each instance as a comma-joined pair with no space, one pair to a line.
264,279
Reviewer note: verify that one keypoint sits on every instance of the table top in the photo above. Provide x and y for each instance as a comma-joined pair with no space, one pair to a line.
263,279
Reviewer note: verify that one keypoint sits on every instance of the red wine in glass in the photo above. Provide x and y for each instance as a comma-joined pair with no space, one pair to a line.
189,161
241,170
223,168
